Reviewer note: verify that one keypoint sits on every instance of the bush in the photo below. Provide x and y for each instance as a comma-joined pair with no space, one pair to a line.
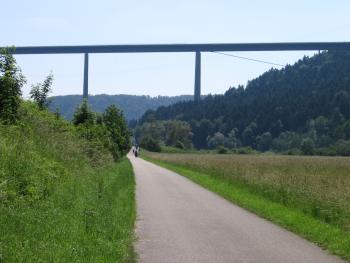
326,151
222,150
179,145
245,150
307,147
150,144
294,152
342,148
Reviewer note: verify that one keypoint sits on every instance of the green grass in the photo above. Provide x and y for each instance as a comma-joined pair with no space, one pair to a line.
276,188
62,199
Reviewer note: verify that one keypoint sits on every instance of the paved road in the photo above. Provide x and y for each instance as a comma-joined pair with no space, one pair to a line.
179,221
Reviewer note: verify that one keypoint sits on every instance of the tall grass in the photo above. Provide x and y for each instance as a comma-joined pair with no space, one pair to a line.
318,186
307,195
61,198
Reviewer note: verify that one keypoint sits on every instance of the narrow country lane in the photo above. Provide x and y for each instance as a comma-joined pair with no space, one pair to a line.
179,221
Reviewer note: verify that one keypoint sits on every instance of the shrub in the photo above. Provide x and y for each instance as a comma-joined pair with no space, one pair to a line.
326,151
245,150
222,150
307,147
343,148
179,145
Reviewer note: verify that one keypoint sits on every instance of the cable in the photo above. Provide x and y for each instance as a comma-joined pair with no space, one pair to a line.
251,59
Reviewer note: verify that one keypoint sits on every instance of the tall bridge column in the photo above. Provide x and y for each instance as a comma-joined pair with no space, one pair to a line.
197,77
86,76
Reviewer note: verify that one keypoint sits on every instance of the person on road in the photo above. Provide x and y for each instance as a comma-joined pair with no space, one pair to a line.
136,151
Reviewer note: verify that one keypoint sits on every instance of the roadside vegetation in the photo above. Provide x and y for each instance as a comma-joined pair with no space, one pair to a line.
66,189
307,195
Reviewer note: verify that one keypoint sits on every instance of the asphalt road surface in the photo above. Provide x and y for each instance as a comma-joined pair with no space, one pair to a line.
179,221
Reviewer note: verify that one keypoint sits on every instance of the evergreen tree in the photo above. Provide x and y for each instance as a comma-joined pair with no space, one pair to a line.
115,123
83,114
11,82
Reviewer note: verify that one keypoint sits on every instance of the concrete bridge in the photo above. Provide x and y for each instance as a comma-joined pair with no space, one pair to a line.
194,48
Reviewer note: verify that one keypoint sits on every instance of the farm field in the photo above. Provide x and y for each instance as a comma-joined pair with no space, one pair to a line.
308,195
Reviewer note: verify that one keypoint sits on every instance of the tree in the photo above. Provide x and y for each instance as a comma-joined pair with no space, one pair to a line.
218,139
321,125
287,140
310,99
307,147
231,140
248,134
115,123
11,82
201,130
83,114
264,141
40,91
178,131
150,144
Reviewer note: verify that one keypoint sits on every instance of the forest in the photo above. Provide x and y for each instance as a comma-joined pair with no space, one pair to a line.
301,109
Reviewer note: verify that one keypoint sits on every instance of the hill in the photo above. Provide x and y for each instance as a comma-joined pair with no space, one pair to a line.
133,106
300,107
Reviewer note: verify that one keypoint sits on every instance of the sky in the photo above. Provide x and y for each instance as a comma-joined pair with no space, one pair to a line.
87,22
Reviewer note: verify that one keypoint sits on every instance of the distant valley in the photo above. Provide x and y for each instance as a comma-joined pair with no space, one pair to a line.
133,106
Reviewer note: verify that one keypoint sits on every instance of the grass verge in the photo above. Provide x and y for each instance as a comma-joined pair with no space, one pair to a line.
325,235
62,197
89,218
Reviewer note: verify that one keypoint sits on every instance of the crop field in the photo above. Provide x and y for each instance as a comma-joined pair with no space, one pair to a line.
317,188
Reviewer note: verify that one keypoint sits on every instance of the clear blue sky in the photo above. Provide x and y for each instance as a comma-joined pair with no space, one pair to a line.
78,22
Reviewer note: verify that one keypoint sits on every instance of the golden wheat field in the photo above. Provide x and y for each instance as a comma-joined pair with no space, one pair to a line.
319,186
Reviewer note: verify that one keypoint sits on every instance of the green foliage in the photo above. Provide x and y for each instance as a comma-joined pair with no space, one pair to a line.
245,150
39,92
222,150
179,145
11,82
83,114
231,141
307,147
346,129
55,184
215,141
277,111
118,132
150,144
248,135
264,142
307,195
107,131
168,132
342,148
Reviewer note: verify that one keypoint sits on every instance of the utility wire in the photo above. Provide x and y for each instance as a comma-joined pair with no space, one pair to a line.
251,59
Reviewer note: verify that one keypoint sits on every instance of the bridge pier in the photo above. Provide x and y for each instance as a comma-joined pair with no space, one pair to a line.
197,77
86,76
